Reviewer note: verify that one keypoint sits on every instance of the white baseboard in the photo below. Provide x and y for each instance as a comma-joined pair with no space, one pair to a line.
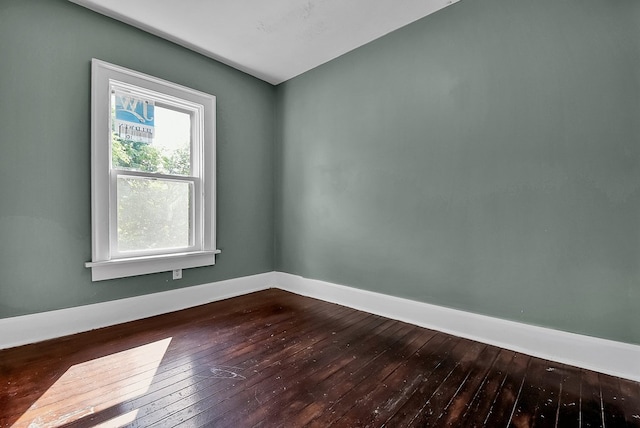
601,355
33,328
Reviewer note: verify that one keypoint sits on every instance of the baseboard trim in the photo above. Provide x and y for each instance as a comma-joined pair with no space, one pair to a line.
601,355
25,329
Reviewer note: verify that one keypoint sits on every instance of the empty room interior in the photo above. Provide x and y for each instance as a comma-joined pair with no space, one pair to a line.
421,213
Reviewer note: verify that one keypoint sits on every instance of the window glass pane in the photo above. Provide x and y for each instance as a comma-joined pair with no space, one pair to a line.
153,214
149,137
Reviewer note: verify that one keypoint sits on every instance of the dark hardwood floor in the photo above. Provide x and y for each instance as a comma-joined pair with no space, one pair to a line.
274,359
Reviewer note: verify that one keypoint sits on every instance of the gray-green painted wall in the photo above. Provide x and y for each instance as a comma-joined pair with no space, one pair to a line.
45,235
485,158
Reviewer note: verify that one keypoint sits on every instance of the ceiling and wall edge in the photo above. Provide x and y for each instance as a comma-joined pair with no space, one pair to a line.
129,20
273,43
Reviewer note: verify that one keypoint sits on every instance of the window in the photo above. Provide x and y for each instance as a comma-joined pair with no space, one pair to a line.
152,174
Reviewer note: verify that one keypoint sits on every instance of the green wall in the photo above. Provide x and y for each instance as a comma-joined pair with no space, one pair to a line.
484,158
45,234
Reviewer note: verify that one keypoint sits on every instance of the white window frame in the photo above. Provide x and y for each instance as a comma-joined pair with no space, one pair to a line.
107,262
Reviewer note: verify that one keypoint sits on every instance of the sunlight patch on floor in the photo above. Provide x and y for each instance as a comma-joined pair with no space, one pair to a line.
93,386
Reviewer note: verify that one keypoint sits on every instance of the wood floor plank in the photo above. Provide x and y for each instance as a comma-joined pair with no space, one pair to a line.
503,406
274,359
549,404
195,402
591,414
215,384
339,382
414,346
570,398
628,397
452,411
196,368
537,398
349,380
433,384
479,408
314,381
443,390
217,410
99,373
262,319
613,405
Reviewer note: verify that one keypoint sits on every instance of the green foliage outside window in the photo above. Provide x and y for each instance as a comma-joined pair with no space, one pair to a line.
152,214
136,156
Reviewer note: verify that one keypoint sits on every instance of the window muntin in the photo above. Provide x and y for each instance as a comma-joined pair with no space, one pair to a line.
153,172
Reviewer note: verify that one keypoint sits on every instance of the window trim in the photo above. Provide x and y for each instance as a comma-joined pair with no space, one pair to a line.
104,265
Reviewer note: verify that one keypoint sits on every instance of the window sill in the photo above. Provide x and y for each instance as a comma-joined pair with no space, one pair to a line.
121,268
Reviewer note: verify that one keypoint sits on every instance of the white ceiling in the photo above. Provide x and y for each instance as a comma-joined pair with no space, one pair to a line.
273,40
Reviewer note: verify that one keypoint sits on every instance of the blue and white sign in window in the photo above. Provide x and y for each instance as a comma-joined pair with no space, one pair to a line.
134,119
